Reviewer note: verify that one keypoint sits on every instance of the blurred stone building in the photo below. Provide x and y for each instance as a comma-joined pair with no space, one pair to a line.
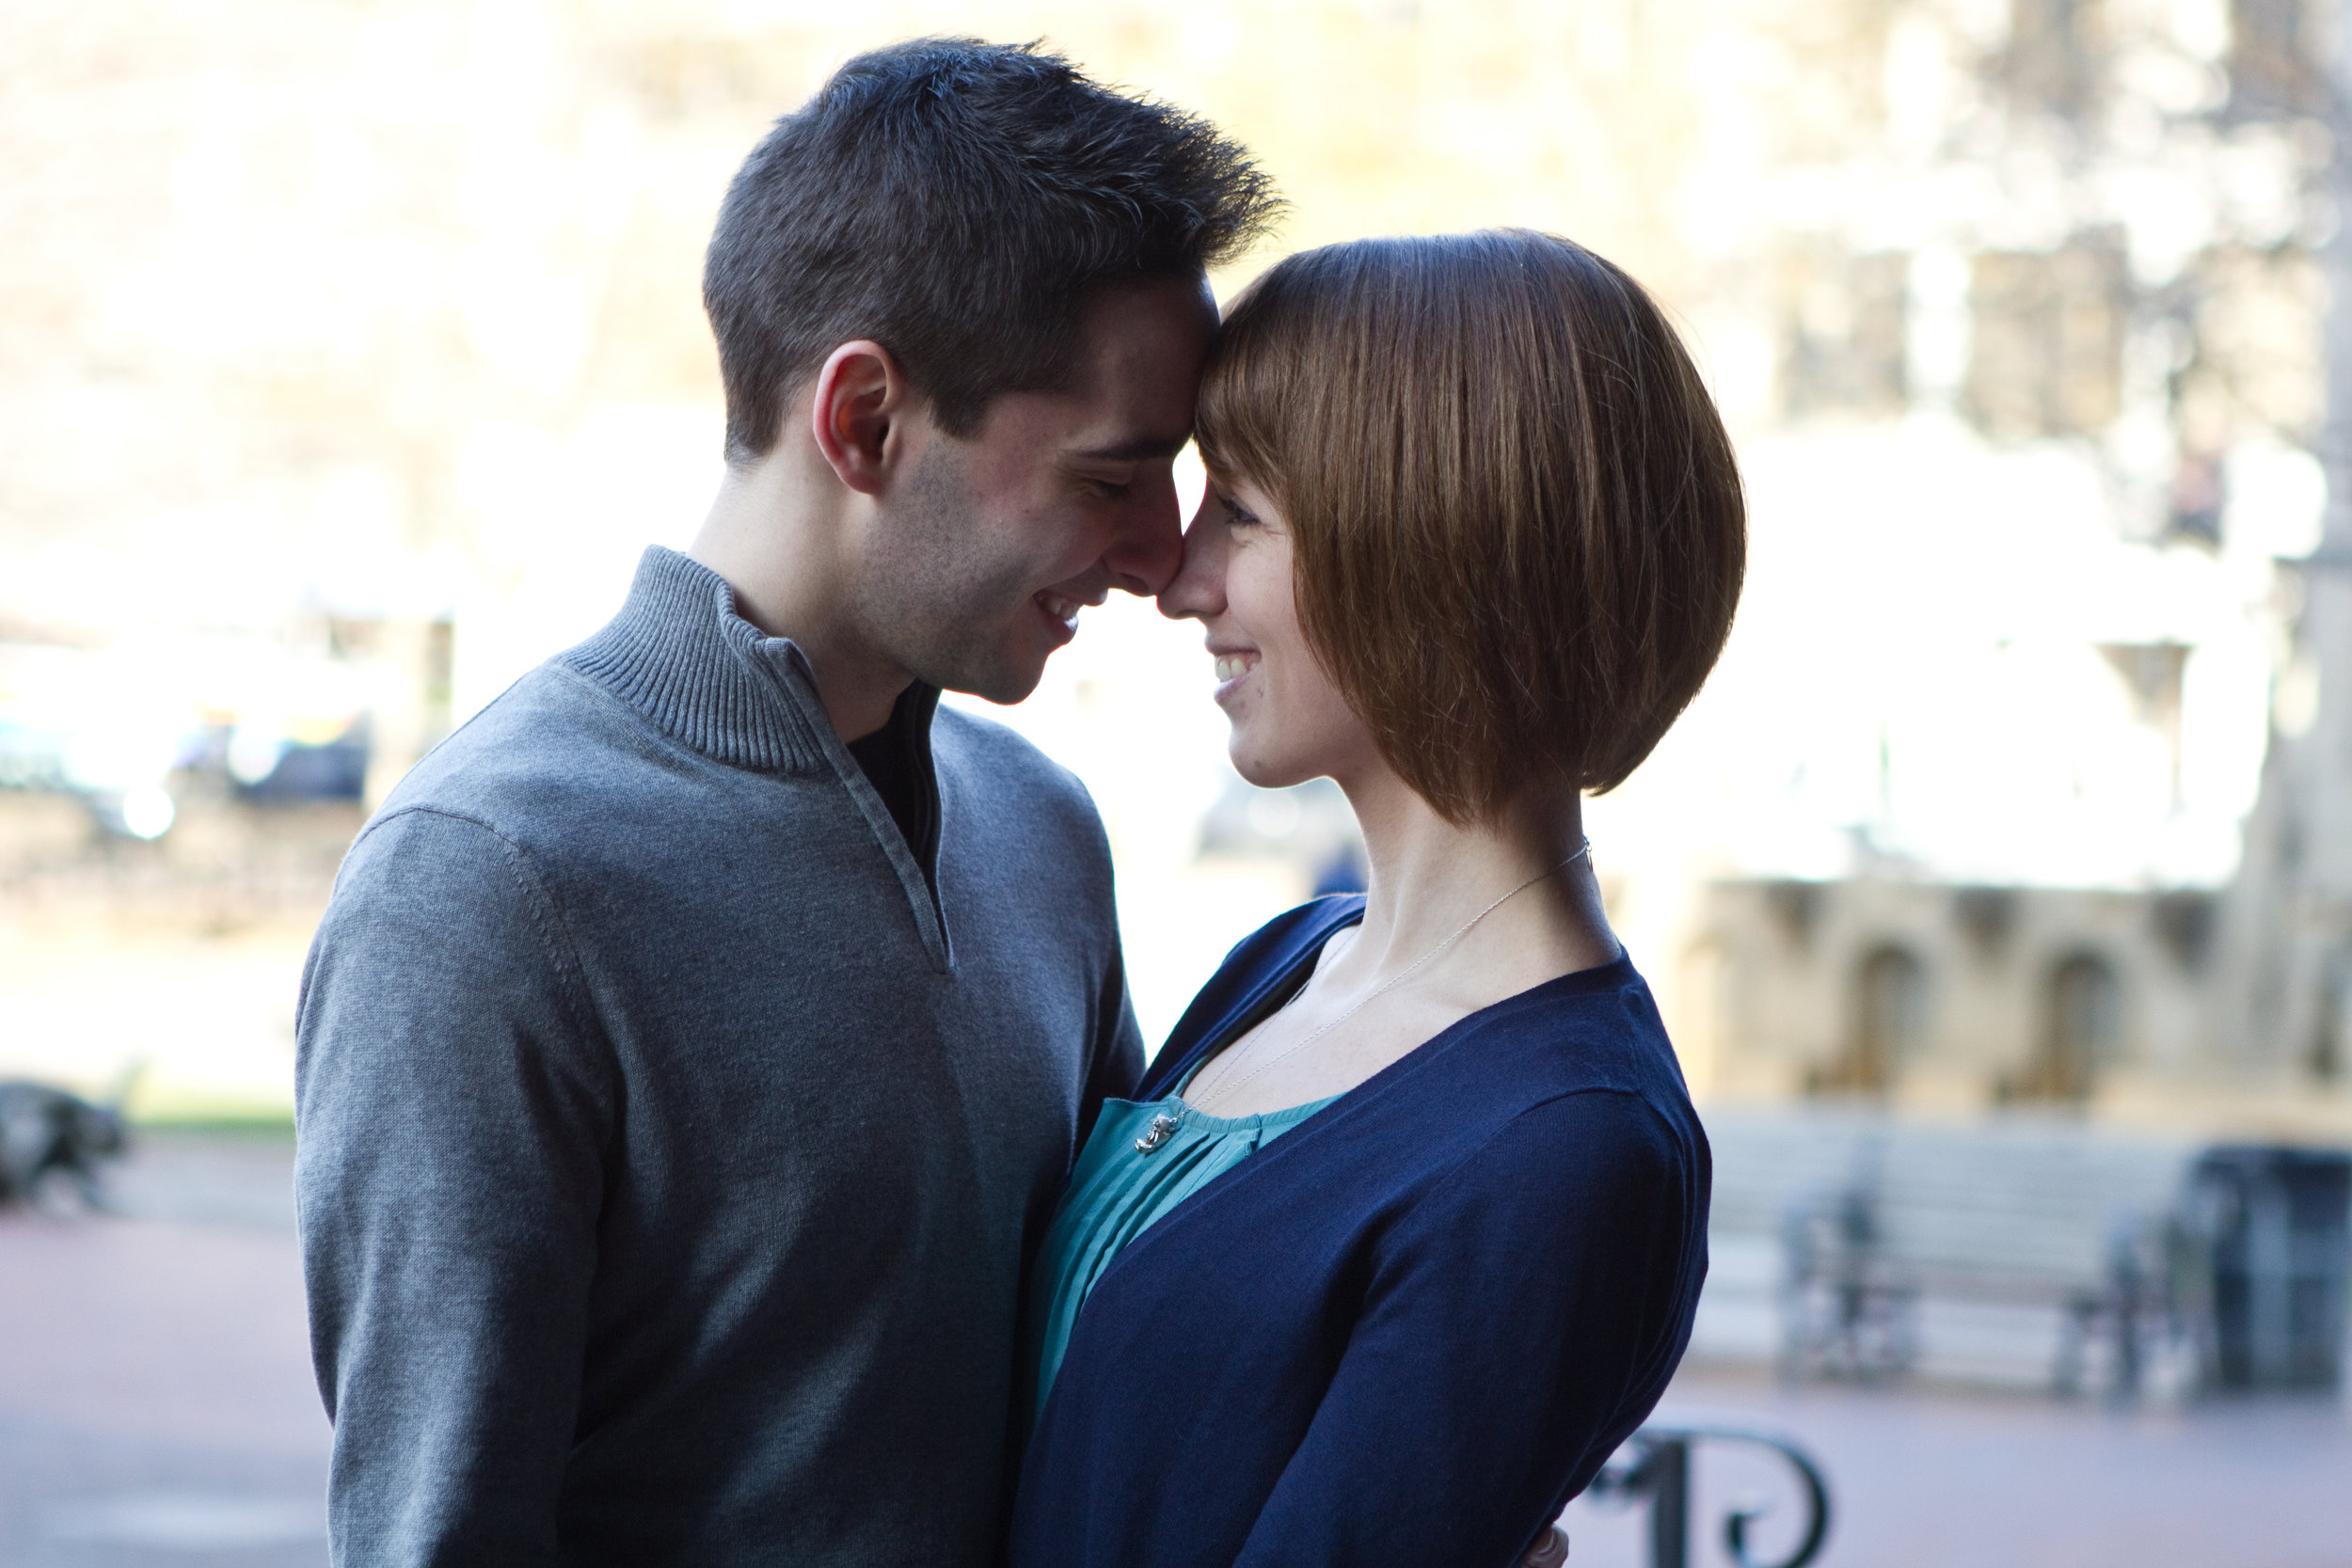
2140,289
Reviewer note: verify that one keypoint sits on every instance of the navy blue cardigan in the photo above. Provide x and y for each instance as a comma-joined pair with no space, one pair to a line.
1407,1333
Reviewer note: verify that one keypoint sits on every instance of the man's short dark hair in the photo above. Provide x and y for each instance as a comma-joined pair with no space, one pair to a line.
955,201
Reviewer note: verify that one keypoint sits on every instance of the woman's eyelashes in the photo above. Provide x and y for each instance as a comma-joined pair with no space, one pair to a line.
1235,514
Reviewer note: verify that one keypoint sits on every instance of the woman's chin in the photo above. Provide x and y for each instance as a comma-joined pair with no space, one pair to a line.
1267,772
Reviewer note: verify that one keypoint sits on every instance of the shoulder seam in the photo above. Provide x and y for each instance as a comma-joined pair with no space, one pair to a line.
549,927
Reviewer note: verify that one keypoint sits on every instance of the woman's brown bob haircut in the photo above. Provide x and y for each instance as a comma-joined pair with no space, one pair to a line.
1516,518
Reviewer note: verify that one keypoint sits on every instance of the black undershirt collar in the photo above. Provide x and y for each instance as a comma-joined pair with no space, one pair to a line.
896,761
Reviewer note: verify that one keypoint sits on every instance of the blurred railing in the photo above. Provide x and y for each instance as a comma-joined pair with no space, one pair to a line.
1655,1467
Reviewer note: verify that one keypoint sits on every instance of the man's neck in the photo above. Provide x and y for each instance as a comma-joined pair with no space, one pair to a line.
769,534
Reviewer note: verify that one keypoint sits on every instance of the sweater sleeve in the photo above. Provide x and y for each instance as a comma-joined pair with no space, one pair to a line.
1512,1335
448,1182
1116,1063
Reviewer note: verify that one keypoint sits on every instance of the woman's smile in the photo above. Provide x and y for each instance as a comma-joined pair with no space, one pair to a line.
1289,723
1232,666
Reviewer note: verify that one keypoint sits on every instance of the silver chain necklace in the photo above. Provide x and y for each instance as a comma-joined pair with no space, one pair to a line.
1227,1084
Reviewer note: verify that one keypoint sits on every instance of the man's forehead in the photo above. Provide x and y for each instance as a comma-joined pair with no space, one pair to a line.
1095,425
1140,368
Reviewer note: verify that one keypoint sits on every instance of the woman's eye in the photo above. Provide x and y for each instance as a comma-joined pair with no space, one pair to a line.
1236,513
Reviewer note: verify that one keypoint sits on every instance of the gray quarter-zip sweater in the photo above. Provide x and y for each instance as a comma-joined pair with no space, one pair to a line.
669,1152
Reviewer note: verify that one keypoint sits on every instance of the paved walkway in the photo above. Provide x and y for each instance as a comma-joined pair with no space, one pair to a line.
156,1407
155,1396
1952,1479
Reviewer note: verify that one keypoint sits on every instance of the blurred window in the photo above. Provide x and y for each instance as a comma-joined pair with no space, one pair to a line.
2052,61
2272,54
2255,353
2080,1032
2326,1058
2046,355
1889,1023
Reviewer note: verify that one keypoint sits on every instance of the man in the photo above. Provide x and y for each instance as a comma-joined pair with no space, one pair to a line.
696,1039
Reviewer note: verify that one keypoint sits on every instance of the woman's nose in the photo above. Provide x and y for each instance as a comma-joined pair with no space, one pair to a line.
1198,588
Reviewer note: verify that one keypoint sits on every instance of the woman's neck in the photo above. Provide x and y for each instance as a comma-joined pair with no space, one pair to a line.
1456,919
1429,877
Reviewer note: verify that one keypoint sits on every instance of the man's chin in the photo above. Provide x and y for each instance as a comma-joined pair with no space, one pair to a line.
1003,684
1002,665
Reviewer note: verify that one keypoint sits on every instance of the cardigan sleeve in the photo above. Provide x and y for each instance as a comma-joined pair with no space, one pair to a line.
1511,1333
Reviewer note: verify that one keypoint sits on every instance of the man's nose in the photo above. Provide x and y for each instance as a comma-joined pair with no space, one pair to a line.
1198,588
1150,544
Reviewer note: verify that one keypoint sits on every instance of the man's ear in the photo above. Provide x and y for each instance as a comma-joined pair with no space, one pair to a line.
861,398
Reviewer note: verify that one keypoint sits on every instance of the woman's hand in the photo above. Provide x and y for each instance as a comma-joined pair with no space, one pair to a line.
1550,1552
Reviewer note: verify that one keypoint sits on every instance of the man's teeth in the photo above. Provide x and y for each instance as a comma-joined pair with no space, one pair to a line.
1232,667
1064,610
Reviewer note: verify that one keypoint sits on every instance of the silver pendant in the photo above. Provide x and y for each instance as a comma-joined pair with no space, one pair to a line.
1162,1129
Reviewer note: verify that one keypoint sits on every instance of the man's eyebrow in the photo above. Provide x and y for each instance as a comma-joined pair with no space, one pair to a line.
1137,449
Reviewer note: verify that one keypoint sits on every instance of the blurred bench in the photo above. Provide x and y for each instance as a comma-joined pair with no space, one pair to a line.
1891,1234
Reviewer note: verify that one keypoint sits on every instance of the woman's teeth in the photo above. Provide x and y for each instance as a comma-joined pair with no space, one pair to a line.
1064,610
1232,667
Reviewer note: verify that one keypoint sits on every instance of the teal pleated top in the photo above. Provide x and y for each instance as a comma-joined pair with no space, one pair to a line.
1141,1161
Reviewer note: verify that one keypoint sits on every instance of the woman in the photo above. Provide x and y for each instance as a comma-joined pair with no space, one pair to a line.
1403,1233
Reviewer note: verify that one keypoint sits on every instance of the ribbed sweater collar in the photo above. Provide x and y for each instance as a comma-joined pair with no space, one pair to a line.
679,654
